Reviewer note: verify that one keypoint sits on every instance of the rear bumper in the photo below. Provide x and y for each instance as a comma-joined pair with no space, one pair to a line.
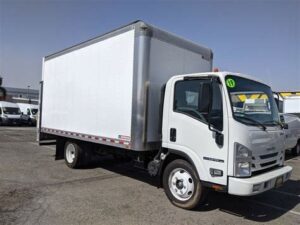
260,183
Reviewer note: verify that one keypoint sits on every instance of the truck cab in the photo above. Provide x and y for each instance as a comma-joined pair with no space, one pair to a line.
10,113
227,127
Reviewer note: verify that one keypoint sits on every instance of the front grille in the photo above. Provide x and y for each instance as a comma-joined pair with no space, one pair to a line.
265,160
268,155
264,170
267,163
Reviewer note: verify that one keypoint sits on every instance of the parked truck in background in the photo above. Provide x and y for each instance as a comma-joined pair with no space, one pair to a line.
29,113
292,105
288,102
10,113
292,132
148,94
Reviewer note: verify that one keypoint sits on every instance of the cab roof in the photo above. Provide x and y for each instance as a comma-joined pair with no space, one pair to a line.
8,104
222,75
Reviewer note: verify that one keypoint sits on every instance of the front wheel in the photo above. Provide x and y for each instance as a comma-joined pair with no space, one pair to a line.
182,186
296,149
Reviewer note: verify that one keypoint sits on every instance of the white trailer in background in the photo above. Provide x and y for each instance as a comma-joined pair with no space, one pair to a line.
292,105
138,91
288,102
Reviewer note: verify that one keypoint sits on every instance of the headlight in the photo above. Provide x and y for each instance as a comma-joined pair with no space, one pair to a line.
243,161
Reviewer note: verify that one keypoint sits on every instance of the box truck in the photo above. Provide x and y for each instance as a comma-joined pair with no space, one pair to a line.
10,113
288,102
146,93
292,105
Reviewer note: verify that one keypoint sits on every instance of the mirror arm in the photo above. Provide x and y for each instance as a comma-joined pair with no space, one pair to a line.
213,79
210,104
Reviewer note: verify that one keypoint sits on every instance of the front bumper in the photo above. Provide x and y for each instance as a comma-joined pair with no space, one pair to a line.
11,121
260,183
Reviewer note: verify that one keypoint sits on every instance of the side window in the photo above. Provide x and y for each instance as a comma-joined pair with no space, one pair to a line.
0,111
192,98
28,112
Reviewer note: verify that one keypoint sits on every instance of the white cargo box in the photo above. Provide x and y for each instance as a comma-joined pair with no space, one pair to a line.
291,104
108,89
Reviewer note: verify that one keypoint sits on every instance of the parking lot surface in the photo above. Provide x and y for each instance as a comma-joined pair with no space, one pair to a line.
36,189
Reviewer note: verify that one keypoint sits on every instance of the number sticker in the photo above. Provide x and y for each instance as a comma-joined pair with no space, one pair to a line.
230,83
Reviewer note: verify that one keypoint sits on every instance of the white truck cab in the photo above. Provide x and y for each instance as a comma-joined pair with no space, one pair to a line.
240,151
10,113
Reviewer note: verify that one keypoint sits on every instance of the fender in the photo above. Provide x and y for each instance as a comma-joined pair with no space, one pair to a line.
190,156
179,153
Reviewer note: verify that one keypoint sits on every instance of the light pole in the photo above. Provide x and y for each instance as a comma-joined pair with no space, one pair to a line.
28,91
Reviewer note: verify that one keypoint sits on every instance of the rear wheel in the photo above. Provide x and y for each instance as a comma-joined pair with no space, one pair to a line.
296,149
74,155
182,186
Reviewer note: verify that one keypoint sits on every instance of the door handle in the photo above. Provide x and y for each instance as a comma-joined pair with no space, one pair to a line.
173,134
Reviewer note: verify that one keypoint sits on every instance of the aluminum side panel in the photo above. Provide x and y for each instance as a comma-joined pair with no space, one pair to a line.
167,60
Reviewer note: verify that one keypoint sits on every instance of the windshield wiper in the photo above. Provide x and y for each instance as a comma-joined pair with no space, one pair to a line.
254,121
274,122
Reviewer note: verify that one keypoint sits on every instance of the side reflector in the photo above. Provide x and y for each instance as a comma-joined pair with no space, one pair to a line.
217,187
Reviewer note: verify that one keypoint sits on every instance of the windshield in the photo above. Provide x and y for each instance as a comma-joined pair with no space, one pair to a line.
252,102
34,111
11,111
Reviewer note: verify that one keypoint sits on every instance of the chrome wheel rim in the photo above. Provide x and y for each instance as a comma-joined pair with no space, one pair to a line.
181,184
70,153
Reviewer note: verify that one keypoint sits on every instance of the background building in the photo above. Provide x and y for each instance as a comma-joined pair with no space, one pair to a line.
22,95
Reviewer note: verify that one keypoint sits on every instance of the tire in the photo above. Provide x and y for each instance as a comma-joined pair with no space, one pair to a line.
296,149
182,185
74,155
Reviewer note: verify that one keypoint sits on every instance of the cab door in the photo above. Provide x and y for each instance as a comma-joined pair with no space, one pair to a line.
196,126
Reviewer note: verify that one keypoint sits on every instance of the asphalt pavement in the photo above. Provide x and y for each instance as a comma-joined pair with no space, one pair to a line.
36,189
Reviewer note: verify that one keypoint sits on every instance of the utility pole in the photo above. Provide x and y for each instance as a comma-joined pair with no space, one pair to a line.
28,91
2,91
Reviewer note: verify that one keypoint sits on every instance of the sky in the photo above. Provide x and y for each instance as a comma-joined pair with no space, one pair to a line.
259,38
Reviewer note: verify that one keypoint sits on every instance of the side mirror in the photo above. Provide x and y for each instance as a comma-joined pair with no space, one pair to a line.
285,126
281,118
219,137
